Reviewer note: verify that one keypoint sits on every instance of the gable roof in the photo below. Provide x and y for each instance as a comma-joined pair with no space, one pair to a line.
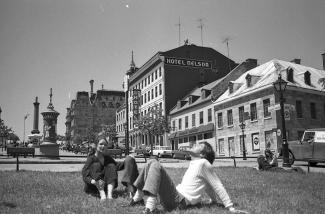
268,74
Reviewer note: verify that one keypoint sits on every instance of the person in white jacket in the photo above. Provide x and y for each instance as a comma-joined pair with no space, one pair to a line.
199,178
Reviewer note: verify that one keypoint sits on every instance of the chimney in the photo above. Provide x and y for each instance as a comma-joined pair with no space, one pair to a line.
296,61
91,86
323,56
251,63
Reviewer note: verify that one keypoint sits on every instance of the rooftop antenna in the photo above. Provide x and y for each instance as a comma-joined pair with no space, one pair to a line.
201,27
179,31
226,40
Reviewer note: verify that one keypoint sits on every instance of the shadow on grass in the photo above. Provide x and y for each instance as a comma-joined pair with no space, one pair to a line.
7,204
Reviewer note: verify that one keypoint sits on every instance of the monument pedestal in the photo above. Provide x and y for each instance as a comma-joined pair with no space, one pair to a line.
50,150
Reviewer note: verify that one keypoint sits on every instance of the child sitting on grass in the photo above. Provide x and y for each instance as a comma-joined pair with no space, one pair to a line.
200,178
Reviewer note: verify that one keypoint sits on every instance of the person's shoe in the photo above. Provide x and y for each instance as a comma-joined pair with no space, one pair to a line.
148,211
136,203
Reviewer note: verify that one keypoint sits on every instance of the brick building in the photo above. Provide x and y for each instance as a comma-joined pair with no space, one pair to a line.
91,111
253,94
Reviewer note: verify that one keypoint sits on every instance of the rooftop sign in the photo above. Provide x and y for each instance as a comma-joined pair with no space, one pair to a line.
188,62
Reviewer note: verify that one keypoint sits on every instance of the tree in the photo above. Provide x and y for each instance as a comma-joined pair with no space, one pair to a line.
152,123
5,132
322,82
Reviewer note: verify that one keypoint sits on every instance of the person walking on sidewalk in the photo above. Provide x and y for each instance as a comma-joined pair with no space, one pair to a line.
100,172
199,178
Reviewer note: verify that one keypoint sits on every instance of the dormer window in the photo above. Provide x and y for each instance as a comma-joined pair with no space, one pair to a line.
290,74
307,78
231,87
192,99
205,93
248,80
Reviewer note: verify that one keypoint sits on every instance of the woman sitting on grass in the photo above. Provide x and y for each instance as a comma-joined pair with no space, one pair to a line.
100,172
198,179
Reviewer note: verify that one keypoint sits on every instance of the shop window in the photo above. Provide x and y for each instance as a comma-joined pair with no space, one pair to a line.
207,135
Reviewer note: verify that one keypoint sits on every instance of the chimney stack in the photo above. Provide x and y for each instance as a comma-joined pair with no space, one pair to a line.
296,61
91,86
323,56
251,63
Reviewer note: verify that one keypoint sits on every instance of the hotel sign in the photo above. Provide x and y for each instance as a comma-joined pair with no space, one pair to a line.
188,62
136,94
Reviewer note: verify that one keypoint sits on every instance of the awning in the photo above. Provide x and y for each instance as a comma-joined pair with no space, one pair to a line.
193,131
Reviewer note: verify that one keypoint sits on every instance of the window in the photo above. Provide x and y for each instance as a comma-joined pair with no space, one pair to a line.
156,91
207,135
186,122
160,106
229,117
160,90
209,115
173,126
148,96
145,82
148,79
266,105
221,145
145,98
307,78
241,113
193,120
299,109
290,75
142,84
248,80
152,77
192,138
155,74
253,112
160,72
180,124
199,137
220,122
152,94
313,110
201,117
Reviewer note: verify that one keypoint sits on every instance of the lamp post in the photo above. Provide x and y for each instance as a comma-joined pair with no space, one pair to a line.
242,125
25,117
280,86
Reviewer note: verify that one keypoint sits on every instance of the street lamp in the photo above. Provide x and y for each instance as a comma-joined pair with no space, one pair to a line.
25,117
280,86
242,125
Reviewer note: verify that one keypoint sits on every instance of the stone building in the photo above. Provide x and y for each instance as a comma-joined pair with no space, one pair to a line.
89,111
192,119
253,100
169,76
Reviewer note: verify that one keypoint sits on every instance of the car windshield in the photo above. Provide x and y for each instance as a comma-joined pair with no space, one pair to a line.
308,136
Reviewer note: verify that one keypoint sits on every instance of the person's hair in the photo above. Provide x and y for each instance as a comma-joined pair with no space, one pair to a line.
207,152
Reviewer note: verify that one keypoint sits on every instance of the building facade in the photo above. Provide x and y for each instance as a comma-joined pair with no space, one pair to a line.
169,76
120,125
253,100
89,111
192,119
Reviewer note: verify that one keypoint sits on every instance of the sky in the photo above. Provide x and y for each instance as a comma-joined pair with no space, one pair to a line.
62,44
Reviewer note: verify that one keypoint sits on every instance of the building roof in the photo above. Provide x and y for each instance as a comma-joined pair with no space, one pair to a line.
266,74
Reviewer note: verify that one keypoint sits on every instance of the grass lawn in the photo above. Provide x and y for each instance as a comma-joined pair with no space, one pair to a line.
250,190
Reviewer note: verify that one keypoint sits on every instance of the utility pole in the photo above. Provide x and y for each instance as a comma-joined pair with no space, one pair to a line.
201,27
179,31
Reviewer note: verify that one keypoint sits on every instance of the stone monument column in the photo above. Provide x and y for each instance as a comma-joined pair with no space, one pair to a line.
49,147
36,117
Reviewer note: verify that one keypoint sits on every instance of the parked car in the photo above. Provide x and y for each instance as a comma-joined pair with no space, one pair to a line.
310,147
162,151
182,153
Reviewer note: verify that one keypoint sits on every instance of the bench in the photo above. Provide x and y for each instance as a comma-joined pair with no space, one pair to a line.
18,151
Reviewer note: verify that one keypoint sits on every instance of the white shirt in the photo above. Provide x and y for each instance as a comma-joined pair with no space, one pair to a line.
200,178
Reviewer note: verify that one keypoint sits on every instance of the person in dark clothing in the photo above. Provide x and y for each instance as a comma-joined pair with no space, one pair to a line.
100,172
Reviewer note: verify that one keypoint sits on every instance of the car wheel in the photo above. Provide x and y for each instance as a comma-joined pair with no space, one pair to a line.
291,158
